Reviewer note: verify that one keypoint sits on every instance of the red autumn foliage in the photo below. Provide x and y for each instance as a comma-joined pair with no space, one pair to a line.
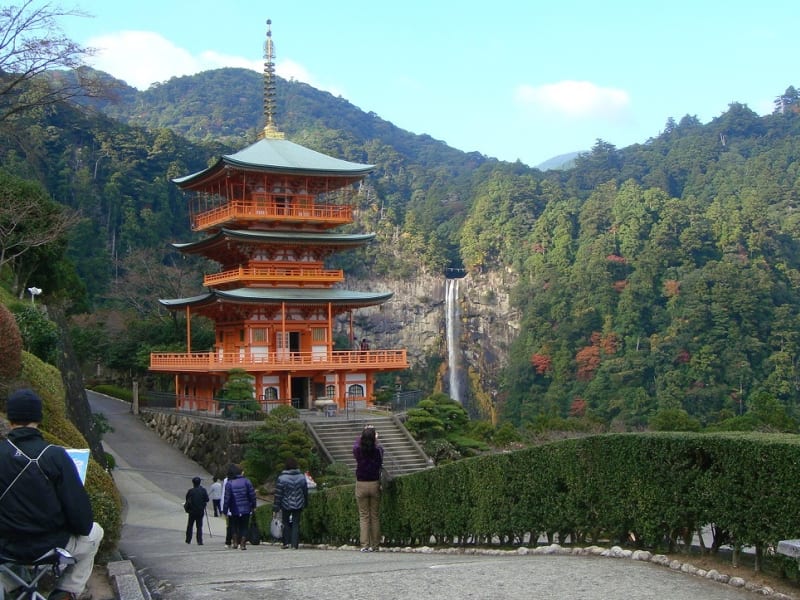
541,363
588,359
609,344
578,407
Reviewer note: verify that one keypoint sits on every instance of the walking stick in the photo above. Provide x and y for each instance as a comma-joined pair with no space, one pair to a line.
211,535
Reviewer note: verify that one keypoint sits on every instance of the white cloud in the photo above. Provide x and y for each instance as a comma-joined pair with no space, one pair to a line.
214,60
141,58
574,99
290,70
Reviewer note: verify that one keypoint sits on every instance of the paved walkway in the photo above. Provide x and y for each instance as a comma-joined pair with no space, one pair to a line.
153,478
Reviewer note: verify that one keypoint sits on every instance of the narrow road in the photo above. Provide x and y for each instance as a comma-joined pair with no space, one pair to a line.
153,478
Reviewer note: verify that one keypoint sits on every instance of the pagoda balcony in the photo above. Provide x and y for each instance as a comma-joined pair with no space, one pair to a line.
350,360
300,276
233,212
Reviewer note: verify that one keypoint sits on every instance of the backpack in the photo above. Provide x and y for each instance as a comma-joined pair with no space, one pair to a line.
31,461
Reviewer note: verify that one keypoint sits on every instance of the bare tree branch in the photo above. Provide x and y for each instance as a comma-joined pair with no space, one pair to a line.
34,55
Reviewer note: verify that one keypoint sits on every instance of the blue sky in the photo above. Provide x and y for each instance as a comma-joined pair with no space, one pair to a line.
509,79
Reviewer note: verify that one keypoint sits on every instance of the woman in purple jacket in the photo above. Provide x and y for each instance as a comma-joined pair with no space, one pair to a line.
240,502
369,460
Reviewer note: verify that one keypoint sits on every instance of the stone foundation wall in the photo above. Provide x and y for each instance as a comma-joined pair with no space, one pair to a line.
212,443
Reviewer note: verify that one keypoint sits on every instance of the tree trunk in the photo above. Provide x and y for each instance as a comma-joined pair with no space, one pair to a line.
78,410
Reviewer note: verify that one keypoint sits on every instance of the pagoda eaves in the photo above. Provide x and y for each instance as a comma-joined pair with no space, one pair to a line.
280,157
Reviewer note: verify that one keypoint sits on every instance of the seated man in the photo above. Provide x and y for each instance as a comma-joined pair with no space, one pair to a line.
43,504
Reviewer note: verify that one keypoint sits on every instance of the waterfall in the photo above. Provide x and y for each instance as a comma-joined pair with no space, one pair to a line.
453,328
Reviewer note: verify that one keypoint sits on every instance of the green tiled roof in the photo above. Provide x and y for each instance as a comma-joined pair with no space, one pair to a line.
264,237
279,295
282,156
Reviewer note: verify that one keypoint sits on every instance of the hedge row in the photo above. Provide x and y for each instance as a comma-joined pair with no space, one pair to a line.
649,490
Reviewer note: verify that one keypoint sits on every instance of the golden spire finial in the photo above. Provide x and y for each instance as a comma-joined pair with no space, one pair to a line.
270,130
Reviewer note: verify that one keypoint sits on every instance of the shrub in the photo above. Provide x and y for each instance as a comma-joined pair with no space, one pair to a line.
597,489
673,419
10,346
57,429
281,435
114,391
239,392
40,336
337,473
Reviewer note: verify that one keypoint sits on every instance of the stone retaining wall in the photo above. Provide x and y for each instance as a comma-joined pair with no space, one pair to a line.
212,443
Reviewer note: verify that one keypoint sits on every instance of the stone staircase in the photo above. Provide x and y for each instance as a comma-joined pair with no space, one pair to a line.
335,437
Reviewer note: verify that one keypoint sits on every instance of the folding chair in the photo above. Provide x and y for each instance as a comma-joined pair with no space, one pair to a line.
26,574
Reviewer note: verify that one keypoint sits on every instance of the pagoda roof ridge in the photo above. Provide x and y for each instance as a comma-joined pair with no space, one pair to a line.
280,156
336,296
311,238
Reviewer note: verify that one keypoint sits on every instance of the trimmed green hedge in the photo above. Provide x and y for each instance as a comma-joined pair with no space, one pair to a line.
654,489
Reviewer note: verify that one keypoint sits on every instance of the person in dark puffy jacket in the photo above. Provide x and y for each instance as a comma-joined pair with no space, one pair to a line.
240,503
196,501
291,497
43,504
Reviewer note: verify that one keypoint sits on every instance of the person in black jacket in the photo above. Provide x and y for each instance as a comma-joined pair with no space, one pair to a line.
43,504
196,501
291,497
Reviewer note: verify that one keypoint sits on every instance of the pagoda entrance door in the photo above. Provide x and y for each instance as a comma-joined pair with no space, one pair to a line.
286,343
300,388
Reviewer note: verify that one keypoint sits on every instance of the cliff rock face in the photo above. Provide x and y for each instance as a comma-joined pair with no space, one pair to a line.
415,319
489,325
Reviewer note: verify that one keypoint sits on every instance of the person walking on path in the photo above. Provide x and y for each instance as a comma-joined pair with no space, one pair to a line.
196,501
240,503
369,460
291,497
226,513
215,493
43,503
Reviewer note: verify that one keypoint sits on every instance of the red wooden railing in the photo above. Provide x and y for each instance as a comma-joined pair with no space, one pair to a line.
296,361
297,275
258,210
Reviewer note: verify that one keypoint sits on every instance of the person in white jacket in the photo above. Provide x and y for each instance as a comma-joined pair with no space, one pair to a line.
215,494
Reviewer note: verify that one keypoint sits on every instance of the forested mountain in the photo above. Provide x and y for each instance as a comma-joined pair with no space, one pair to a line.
654,281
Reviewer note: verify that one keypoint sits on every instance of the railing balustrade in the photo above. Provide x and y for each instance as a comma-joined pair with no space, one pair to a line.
282,274
298,361
256,210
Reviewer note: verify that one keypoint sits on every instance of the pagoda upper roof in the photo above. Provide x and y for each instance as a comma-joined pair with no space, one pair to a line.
306,238
335,296
279,156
